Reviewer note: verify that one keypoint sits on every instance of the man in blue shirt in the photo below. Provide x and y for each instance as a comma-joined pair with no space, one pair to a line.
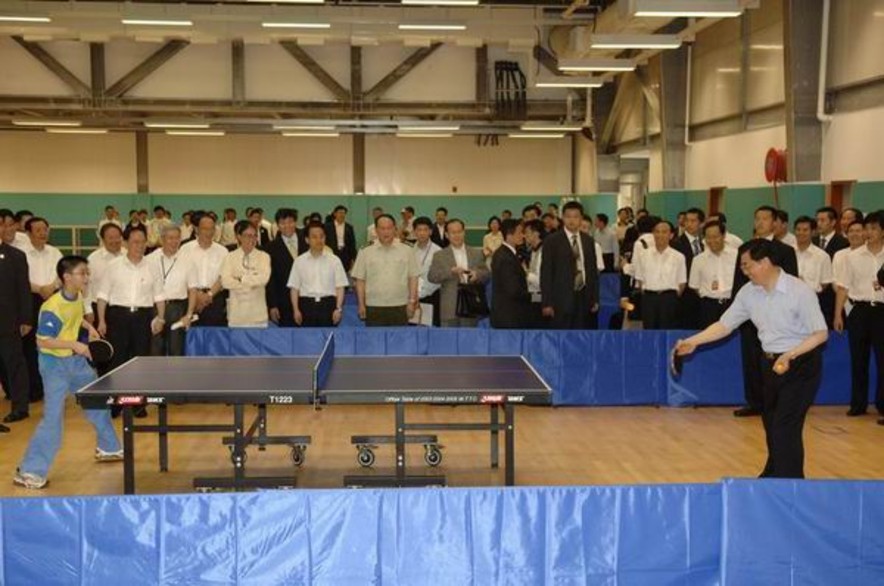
791,329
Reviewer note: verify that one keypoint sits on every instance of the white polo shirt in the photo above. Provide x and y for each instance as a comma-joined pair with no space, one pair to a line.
814,267
712,275
317,276
661,271
130,285
861,275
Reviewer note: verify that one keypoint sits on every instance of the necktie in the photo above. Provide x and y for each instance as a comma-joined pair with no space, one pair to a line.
823,242
290,243
579,281
696,246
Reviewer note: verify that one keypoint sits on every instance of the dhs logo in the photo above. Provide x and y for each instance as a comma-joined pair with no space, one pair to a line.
129,400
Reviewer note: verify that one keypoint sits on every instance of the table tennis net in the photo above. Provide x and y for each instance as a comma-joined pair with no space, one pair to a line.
323,365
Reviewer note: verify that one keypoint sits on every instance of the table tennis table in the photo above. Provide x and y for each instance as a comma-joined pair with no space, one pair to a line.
499,382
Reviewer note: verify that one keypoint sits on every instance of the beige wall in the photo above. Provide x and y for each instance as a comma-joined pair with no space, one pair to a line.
733,161
434,166
249,164
852,146
37,162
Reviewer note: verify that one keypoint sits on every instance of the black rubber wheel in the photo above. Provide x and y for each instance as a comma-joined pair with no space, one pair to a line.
365,457
298,456
432,456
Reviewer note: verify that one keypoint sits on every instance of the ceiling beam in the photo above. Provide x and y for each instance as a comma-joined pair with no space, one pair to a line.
316,70
238,62
141,71
482,95
97,69
403,69
53,65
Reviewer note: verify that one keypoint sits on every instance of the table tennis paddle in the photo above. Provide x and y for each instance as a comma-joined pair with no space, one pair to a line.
101,351
676,363
180,324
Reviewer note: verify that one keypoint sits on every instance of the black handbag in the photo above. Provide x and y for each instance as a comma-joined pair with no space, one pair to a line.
471,300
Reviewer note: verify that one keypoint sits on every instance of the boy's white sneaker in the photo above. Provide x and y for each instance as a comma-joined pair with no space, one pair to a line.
29,480
102,456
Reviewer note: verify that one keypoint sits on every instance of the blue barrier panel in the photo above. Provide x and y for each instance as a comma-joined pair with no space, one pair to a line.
637,535
803,532
583,367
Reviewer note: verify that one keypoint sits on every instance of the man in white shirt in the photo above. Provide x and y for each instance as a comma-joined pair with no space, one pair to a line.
206,257
317,283
856,237
186,226
814,265
127,296
424,251
406,229
662,276
42,261
712,274
372,232
22,240
244,274
606,237
386,276
172,269
111,216
865,324
730,239
111,248
155,227
228,234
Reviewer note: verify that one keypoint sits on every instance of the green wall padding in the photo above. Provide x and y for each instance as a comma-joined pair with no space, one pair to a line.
868,196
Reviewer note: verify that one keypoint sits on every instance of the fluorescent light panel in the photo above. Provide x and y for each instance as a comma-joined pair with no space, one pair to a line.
152,22
286,1
312,134
536,135
542,127
304,127
635,42
27,122
424,135
302,25
432,27
440,2
195,132
190,125
13,18
77,130
574,82
428,128
596,65
686,8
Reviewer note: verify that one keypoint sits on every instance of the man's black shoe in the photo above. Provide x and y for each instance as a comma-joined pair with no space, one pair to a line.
4,429
14,416
747,412
854,412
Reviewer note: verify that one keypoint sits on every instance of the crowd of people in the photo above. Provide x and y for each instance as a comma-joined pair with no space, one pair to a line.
152,278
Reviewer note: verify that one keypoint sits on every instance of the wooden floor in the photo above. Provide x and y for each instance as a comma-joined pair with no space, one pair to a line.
554,446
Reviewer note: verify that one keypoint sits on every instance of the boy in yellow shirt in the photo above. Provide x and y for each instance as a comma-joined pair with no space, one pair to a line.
64,368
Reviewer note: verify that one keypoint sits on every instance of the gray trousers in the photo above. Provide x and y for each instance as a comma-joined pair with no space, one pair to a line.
168,342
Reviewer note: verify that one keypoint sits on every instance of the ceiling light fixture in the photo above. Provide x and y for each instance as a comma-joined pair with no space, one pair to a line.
195,132
569,82
536,135
428,128
312,134
684,8
286,1
304,25
635,42
12,18
424,135
77,130
149,22
440,2
432,27
190,125
597,64
304,127
28,122
543,127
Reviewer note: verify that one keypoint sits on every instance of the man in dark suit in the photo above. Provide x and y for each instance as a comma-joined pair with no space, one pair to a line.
569,278
831,242
510,300
15,316
690,244
439,235
827,236
749,343
339,236
256,215
283,250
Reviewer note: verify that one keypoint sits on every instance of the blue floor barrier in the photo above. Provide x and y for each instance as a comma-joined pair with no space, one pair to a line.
583,367
736,532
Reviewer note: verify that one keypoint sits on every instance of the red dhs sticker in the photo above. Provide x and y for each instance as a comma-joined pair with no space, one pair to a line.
492,399
130,400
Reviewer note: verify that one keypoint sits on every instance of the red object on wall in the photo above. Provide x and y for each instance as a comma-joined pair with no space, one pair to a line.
775,170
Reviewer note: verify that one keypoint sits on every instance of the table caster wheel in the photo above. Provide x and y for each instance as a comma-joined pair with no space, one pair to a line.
365,457
432,455
298,455
245,457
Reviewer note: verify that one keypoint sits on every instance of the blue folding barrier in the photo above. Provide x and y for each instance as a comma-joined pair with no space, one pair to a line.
583,367
734,533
